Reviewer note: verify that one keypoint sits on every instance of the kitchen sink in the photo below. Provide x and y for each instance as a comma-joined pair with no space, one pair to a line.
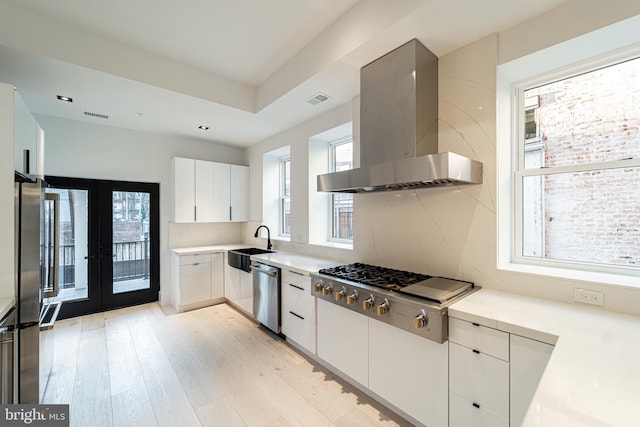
241,258
252,251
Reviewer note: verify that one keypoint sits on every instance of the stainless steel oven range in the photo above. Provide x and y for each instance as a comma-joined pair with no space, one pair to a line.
413,302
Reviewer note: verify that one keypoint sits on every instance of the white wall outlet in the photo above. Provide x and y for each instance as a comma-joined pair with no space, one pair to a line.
588,297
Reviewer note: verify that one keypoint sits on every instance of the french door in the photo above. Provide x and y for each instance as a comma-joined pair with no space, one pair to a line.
109,244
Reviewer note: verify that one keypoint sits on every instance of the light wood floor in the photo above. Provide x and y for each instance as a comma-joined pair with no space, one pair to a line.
212,367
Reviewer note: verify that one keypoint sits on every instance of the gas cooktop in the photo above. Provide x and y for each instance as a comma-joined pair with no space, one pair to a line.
437,289
373,275
416,303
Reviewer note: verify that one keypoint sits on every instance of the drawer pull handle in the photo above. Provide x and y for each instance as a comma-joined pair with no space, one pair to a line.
196,263
475,324
295,272
297,315
476,351
297,287
475,405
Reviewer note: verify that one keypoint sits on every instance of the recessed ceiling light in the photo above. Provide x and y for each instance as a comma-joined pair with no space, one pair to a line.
203,127
64,98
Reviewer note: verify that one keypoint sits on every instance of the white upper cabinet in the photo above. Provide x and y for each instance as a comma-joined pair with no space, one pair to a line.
209,191
239,193
184,190
221,189
28,140
204,192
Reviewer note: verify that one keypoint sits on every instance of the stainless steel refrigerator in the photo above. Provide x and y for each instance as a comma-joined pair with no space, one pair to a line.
37,250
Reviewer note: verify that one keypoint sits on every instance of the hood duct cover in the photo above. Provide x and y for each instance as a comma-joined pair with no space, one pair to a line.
399,129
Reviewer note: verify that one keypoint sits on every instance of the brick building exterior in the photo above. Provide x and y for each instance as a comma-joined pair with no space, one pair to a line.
591,216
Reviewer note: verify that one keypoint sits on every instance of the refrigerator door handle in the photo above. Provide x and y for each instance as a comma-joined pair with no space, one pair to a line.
55,198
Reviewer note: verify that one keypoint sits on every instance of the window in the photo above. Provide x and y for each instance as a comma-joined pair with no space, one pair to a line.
341,158
569,166
285,196
330,215
276,192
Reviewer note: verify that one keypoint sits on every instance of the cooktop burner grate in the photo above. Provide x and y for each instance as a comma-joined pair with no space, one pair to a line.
372,275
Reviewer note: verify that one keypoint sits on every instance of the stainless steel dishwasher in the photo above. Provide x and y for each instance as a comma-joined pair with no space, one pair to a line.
266,295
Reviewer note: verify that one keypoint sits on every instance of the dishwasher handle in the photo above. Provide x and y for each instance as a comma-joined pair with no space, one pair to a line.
270,273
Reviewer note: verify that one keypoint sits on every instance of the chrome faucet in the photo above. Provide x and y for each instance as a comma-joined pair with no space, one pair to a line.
269,245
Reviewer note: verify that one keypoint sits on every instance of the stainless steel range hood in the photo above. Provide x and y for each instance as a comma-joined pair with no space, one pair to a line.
399,129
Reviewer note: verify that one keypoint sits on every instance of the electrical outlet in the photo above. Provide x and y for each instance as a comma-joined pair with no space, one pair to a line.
588,297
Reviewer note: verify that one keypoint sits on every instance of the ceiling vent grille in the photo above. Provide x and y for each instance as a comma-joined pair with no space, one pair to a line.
317,98
99,116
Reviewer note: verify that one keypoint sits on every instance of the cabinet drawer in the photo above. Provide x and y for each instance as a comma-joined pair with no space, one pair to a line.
486,340
302,331
480,378
195,259
300,280
298,300
462,413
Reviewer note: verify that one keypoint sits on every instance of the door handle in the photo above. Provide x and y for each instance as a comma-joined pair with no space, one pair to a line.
270,273
53,280
90,257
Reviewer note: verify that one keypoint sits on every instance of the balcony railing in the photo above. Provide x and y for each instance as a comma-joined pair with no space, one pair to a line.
130,261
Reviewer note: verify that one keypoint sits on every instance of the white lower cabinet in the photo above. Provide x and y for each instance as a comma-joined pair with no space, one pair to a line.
298,310
529,358
231,283
238,288
481,379
343,340
462,413
409,371
195,278
198,280
493,375
246,292
217,275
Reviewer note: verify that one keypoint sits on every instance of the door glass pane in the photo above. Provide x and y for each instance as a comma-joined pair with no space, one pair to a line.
131,247
74,244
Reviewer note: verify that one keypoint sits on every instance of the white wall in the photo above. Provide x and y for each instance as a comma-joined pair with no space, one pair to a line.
297,138
452,231
83,150
7,248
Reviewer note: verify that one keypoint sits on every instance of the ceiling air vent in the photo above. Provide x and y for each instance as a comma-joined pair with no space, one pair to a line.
317,98
99,116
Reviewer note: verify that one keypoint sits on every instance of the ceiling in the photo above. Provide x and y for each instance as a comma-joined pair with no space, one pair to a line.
243,67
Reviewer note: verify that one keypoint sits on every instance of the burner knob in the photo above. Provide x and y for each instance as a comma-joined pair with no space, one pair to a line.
351,299
368,303
317,287
340,295
421,320
383,308
327,290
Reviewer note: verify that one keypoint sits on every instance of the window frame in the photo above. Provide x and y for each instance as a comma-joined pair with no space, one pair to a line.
284,196
592,51
332,196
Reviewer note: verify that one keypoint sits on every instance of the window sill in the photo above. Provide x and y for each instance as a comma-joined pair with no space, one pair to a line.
600,277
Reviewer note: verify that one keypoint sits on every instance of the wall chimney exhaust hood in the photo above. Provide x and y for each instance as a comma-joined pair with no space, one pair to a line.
399,129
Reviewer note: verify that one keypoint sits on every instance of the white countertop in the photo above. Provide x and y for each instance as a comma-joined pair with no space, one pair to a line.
593,375
204,249
300,263
294,262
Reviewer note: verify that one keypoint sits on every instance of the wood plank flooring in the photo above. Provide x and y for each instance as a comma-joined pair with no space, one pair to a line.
211,367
